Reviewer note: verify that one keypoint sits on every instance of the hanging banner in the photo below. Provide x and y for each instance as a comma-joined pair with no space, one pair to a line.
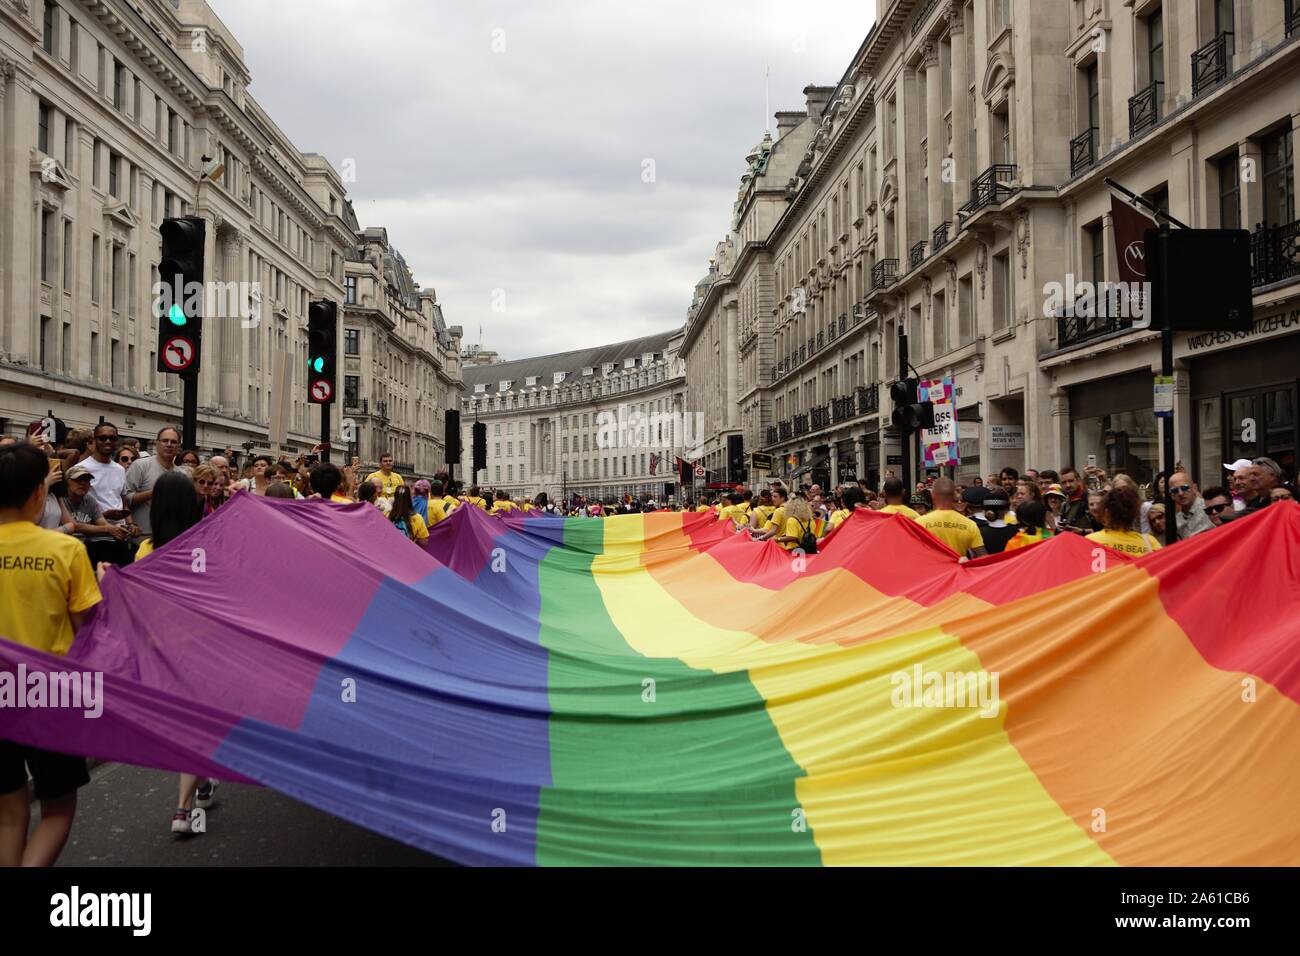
940,442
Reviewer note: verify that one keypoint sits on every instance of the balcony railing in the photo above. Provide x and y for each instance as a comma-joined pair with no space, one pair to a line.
1210,63
1073,329
801,424
786,429
1292,15
1144,109
884,273
842,408
844,323
1275,253
821,416
1083,150
772,435
821,340
939,238
868,397
991,186
803,353
917,254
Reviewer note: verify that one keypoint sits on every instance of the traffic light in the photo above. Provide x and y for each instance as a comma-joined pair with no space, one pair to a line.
180,305
322,351
479,441
910,414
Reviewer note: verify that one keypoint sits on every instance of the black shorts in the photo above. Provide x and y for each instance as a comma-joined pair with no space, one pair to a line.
55,774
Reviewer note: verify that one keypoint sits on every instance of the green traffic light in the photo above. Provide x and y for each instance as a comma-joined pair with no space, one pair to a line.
317,364
176,315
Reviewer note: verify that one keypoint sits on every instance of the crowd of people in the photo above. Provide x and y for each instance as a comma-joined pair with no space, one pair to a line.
69,512
1010,510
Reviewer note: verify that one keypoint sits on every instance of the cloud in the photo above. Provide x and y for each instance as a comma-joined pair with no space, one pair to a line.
503,144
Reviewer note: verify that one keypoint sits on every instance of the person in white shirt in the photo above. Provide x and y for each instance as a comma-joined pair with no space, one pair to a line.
109,477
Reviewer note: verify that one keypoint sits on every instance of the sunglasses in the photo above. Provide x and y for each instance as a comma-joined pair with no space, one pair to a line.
126,458
1215,509
1180,489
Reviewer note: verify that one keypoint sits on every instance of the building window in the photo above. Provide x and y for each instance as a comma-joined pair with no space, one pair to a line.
94,269
1156,47
119,85
1094,97
47,325
67,255
1003,293
43,128
1096,251
1229,192
498,474
47,223
1279,179
351,341
114,169
48,38
116,266
350,290
1001,10
965,311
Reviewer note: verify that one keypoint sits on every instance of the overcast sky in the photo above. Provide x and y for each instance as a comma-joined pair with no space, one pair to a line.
503,143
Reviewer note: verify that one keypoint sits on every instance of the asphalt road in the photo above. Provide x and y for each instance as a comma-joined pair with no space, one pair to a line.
124,819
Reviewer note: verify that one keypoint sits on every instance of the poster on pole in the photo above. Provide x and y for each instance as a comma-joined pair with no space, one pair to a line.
940,442
281,397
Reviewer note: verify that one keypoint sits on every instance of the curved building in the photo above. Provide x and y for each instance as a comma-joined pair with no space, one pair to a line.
600,422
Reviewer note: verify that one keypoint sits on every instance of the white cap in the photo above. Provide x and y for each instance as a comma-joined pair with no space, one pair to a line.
1238,464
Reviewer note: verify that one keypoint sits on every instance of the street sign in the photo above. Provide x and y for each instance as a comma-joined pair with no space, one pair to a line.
1005,436
699,472
761,462
1163,399
178,354
321,391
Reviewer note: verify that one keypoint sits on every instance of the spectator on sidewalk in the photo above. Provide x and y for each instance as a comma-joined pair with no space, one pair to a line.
137,493
1190,517
1218,504
102,540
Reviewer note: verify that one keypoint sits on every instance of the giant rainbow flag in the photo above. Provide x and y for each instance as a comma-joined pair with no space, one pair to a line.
650,689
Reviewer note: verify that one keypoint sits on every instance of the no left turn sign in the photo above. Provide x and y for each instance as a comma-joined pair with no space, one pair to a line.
320,391
178,354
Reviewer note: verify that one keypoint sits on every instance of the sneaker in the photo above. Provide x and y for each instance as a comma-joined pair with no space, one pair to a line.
203,795
181,821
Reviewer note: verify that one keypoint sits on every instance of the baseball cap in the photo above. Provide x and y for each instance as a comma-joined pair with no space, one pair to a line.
1054,490
79,471
1238,464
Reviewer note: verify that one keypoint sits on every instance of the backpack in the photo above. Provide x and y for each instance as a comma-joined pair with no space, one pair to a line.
808,541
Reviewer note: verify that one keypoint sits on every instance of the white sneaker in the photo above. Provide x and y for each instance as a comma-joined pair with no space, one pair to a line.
181,821
203,795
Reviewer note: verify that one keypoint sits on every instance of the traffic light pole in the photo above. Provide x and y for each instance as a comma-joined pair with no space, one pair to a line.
906,437
1167,423
189,411
325,432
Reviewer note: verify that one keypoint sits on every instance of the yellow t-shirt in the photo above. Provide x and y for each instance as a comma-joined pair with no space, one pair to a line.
528,506
764,513
704,508
955,530
44,577
342,499
798,530
777,520
1130,542
437,511
145,549
900,510
477,502
504,506
419,530
390,481
448,504
837,517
